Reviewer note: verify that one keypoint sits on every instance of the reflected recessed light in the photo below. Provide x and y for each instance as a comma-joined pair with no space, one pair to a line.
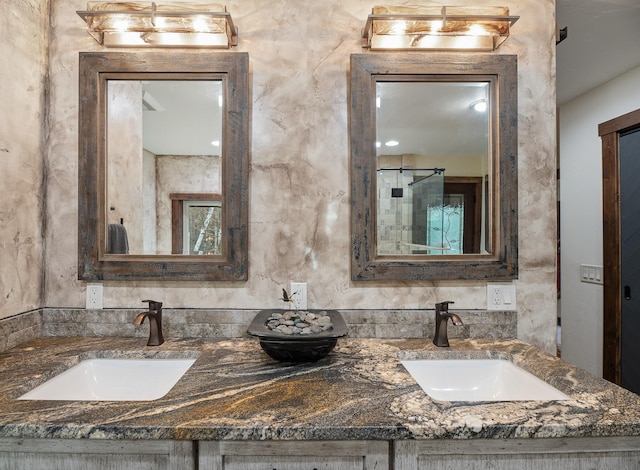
378,144
479,105
215,143
391,143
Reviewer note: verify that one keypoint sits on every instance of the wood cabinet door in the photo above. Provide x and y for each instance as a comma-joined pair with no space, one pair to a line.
293,455
94,454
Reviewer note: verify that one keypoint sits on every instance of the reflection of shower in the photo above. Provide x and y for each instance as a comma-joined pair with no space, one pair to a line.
397,191
409,209
436,171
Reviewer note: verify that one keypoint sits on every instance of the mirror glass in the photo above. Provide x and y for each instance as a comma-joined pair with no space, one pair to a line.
163,166
432,149
433,166
165,138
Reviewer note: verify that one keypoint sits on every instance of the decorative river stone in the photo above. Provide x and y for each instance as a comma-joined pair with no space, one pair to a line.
299,322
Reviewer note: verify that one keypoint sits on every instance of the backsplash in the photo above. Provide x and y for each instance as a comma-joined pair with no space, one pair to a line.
224,323
20,329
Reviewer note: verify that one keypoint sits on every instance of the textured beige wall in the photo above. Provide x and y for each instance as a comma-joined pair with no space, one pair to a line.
23,40
124,160
299,187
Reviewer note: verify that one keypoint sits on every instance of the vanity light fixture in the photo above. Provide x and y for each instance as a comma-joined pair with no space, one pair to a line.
140,24
437,28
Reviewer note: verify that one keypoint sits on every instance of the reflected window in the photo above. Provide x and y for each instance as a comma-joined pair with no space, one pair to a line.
196,224
445,225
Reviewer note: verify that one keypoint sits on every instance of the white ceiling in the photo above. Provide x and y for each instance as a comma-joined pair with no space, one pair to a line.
603,42
417,114
186,118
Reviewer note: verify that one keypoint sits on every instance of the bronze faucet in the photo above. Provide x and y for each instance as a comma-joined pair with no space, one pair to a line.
440,339
155,322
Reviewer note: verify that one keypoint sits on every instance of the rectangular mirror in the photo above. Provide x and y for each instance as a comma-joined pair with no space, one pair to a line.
433,166
163,166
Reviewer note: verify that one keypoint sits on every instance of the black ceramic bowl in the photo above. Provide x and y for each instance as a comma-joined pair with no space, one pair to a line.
297,348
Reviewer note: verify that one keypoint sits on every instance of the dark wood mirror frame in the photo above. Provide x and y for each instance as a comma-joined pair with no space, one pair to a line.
95,68
502,263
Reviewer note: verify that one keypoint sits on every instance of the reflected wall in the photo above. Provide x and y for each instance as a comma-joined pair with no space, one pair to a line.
23,48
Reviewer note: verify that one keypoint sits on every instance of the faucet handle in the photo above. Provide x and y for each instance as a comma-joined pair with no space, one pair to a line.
153,304
444,305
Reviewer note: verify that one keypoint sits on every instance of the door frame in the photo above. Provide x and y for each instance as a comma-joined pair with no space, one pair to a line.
609,133
471,188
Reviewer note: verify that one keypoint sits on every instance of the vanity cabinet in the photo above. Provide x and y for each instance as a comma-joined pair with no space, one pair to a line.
621,453
89,454
93,454
293,455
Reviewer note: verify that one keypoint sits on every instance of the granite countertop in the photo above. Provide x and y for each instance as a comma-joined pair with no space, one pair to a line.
360,391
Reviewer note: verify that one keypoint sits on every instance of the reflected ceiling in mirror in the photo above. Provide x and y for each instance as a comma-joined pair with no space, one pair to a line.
421,152
163,166
433,118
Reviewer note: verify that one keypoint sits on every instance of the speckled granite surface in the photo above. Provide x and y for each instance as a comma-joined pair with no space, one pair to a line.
361,391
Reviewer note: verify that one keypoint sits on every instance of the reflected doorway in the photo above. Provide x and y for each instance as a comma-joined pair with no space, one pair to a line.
458,218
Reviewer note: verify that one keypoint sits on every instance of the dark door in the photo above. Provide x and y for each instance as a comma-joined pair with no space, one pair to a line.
616,292
467,196
630,259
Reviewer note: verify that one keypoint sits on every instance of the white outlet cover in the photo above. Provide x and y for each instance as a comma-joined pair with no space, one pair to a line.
94,297
299,294
501,296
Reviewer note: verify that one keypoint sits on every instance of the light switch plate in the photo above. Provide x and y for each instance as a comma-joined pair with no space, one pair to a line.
501,296
591,274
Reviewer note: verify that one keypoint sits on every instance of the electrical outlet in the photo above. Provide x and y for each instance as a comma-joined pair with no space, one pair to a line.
501,296
299,295
94,296
495,295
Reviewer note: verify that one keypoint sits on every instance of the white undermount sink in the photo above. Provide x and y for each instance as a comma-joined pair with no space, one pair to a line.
113,380
479,380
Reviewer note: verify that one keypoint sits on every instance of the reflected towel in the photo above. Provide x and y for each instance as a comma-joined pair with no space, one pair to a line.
117,241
